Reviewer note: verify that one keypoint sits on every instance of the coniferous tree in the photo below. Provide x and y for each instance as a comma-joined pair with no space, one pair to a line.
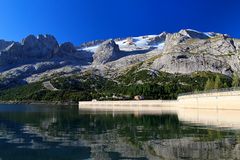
209,85
235,80
218,83
225,85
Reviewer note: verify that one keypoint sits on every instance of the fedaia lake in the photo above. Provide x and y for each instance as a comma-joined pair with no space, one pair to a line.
32,132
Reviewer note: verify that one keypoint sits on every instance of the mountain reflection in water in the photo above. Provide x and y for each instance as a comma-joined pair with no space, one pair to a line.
43,132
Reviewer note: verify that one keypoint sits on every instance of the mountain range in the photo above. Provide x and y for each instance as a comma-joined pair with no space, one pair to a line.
40,58
184,52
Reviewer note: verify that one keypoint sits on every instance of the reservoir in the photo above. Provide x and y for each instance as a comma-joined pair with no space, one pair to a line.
69,133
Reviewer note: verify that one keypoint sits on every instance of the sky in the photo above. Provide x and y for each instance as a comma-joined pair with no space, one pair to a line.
80,21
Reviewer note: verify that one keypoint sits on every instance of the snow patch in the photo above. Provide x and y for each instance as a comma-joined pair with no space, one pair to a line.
209,34
159,46
192,30
91,48
121,43
141,42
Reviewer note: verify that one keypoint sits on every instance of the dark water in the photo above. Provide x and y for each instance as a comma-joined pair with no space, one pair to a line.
65,133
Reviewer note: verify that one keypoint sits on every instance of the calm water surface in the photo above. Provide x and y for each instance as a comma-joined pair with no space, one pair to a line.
66,133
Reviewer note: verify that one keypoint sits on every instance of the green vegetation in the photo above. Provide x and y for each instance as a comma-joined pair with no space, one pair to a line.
235,81
209,84
218,83
21,93
36,92
150,84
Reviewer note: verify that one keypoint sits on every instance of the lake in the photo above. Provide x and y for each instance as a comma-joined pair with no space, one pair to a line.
66,133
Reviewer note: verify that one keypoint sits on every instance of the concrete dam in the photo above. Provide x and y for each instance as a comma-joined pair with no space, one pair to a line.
227,100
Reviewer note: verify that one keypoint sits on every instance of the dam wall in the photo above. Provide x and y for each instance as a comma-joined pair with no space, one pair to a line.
214,100
227,100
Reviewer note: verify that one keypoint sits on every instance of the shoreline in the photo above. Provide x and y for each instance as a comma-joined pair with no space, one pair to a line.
219,100
58,103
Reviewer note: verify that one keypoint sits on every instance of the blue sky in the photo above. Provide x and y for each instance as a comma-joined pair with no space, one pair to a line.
84,20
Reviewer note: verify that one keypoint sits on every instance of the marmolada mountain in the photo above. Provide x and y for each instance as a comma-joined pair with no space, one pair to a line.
150,59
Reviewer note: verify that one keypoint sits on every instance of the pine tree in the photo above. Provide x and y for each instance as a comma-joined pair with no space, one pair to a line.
218,83
235,80
225,85
209,85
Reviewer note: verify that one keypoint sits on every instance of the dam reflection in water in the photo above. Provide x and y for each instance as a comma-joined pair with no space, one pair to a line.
42,132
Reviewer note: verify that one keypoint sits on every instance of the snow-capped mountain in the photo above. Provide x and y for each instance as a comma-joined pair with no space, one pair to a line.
38,57
134,43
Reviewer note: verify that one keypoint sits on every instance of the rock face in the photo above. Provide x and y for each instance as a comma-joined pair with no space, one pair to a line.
184,52
106,52
186,63
35,55
67,47
11,54
158,39
43,46
31,47
185,55
214,45
4,44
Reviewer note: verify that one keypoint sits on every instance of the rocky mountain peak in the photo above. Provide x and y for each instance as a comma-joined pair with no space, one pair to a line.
31,47
11,54
163,34
49,41
41,46
174,39
109,45
30,40
4,44
107,51
155,40
67,47
14,47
